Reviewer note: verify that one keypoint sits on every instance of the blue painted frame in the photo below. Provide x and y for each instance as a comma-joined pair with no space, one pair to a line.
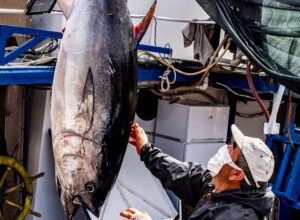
155,49
37,36
26,75
287,183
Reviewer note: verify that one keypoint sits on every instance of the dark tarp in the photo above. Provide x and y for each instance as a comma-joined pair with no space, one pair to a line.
267,31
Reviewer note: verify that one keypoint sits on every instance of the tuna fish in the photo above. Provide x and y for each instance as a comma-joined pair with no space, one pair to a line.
93,99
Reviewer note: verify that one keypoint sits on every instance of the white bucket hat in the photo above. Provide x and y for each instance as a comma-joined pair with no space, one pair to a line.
259,157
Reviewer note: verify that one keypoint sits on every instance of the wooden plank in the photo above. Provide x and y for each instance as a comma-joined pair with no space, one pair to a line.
14,112
2,106
13,4
13,19
13,116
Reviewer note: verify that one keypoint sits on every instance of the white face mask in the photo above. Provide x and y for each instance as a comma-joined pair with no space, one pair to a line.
221,158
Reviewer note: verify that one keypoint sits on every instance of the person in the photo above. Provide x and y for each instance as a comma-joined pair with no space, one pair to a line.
135,214
233,186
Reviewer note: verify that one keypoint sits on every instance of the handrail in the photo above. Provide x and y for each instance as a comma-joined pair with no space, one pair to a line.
161,18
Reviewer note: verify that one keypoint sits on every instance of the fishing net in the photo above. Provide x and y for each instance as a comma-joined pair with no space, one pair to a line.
267,31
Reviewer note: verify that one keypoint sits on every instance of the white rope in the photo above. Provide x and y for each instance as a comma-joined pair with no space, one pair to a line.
165,80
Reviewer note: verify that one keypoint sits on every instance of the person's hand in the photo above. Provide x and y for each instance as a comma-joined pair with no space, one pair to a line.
138,137
134,214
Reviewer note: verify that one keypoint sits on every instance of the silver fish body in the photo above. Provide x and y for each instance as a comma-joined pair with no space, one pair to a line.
93,101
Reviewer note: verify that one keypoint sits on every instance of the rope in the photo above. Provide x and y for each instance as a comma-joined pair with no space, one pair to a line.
206,73
169,65
165,84
41,61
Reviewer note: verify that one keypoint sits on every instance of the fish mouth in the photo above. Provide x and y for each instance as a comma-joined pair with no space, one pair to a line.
71,206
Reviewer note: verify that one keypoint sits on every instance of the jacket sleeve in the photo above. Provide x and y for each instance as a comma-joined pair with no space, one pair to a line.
188,181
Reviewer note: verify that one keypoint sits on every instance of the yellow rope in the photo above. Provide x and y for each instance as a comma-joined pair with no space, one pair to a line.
163,62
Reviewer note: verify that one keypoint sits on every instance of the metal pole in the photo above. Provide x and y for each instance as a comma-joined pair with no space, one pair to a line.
11,11
282,169
195,21
21,11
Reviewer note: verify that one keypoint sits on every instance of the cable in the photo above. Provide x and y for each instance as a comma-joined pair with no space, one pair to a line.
42,50
190,91
169,65
254,92
155,31
233,92
213,58
41,61
289,119
46,48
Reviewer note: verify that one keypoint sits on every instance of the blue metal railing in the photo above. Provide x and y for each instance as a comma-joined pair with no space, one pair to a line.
44,74
37,36
287,182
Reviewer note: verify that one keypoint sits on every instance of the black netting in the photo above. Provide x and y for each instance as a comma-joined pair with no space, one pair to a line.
267,31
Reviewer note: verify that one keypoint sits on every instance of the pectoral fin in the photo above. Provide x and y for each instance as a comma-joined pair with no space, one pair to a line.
85,113
66,7
140,29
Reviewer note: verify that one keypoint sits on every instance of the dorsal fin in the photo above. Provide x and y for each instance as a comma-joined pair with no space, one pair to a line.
140,29
85,114
66,7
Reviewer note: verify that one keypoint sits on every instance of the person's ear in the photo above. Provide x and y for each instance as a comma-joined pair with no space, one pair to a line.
236,175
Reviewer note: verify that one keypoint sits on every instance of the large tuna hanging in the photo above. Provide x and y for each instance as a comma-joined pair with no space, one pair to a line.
93,99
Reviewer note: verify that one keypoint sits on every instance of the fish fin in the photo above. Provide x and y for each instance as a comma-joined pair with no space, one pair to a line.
66,7
85,114
140,29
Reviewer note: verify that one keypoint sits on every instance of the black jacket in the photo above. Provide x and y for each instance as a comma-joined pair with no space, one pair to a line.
192,183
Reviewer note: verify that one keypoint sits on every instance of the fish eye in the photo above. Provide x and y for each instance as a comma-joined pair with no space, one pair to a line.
90,187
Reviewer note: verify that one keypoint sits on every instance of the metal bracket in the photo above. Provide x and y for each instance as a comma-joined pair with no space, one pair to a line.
37,36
